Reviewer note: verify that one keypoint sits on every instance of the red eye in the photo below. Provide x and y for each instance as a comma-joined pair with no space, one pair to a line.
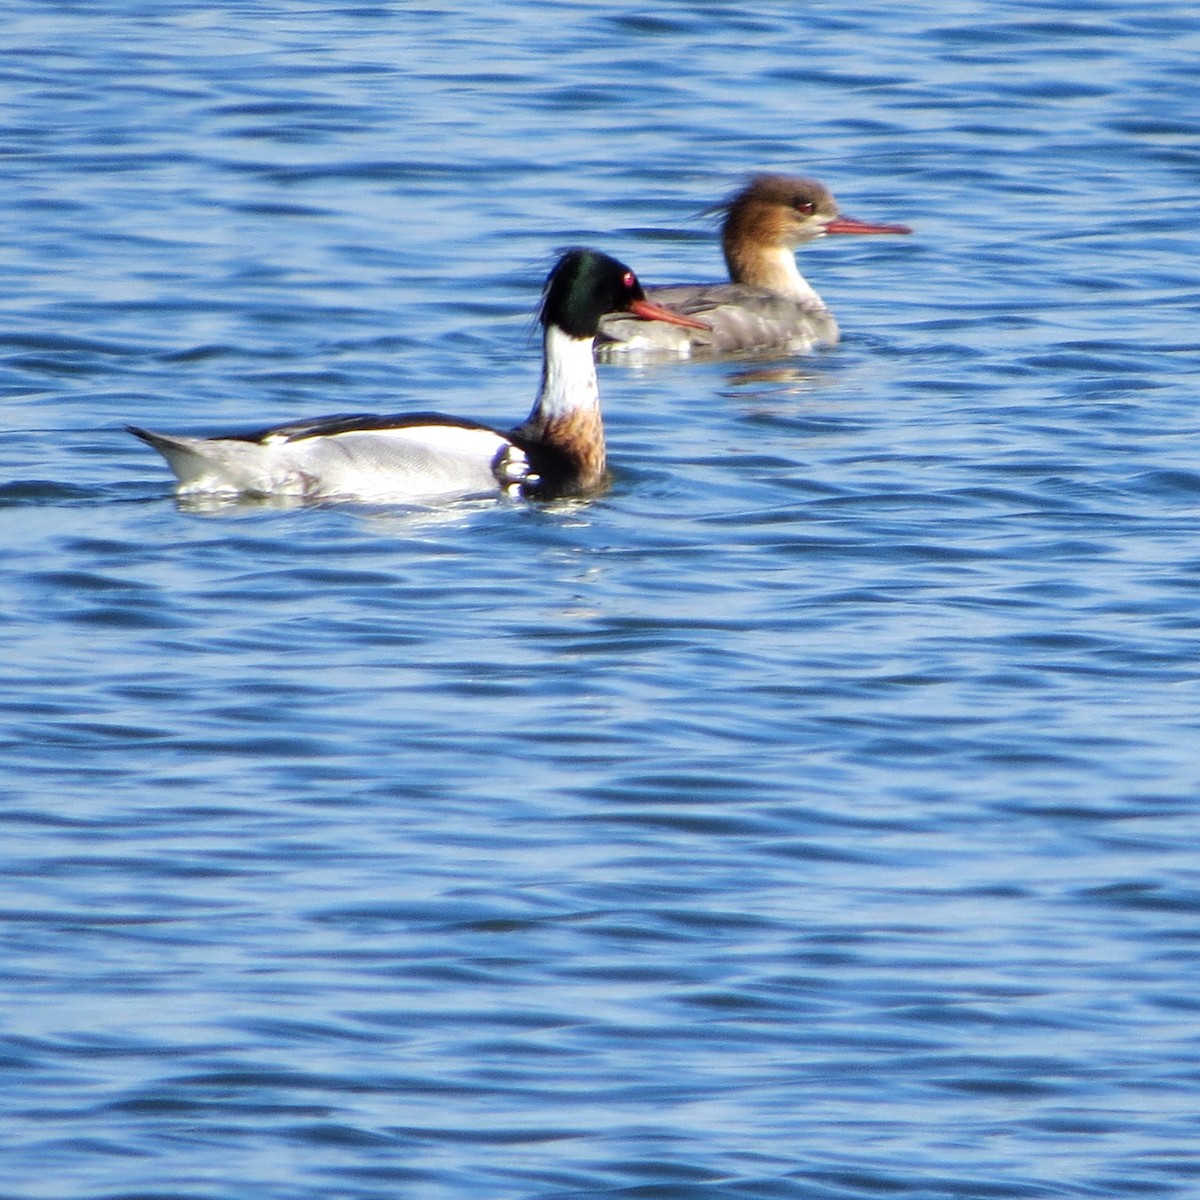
629,280
805,208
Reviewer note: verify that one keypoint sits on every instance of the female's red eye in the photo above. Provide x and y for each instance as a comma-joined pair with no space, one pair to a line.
805,208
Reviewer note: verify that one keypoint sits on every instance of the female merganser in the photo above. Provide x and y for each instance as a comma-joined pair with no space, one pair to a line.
769,305
420,457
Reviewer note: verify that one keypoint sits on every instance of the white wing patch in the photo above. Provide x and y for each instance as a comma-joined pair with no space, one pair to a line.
412,462
407,464
453,439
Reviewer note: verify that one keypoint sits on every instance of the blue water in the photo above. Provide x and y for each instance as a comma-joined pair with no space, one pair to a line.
812,817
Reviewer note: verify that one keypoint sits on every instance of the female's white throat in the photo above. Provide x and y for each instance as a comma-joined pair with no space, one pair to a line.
774,268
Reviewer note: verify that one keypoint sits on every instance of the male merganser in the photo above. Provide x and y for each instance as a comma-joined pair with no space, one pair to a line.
769,305
557,451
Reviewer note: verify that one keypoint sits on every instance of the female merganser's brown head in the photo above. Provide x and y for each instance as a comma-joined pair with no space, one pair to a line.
770,217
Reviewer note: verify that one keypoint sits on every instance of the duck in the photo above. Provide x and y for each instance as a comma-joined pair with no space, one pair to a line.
768,307
557,451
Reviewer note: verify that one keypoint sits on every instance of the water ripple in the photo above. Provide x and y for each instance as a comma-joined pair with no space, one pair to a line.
810,816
